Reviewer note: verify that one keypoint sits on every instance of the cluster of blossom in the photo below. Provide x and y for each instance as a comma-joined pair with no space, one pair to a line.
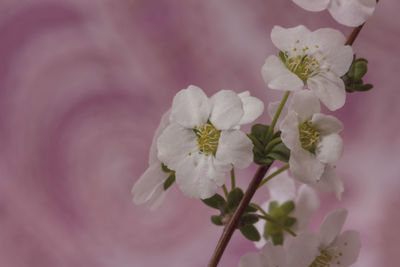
199,141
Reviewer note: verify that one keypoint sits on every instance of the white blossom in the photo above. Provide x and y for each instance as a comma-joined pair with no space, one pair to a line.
316,60
149,188
351,13
282,189
203,141
337,249
312,137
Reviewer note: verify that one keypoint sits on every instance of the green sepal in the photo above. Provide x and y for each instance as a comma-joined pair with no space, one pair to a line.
272,206
353,78
250,232
290,221
216,201
234,198
165,168
282,56
216,219
170,180
287,207
248,219
277,239
280,152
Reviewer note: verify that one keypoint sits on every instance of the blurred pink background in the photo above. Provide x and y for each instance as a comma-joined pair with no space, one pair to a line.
83,85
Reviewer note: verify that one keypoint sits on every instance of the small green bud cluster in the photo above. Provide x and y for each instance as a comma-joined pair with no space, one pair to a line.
280,220
353,78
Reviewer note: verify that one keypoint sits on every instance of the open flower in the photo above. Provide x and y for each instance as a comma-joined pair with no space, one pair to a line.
282,190
316,59
297,252
149,188
312,137
203,141
330,182
351,13
337,249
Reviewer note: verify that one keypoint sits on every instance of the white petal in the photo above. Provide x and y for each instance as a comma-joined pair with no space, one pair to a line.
285,39
339,59
273,107
153,148
351,13
326,124
349,245
330,182
195,176
305,104
302,249
332,225
290,130
277,76
252,106
251,259
306,204
281,188
146,187
329,89
325,39
305,167
190,107
273,255
227,110
312,5
235,148
157,198
174,144
329,148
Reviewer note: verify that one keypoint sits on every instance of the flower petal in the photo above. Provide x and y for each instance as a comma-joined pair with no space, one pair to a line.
174,144
329,88
251,259
329,148
157,198
153,148
305,104
307,203
332,225
277,76
285,38
235,148
304,166
282,187
252,107
195,176
302,250
326,39
349,245
273,107
145,189
227,110
273,255
330,182
339,59
312,5
351,13
326,124
290,130
190,107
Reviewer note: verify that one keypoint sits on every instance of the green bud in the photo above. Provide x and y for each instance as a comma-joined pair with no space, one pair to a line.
216,219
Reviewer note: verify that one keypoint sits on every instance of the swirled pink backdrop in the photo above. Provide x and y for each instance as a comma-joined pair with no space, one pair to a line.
82,87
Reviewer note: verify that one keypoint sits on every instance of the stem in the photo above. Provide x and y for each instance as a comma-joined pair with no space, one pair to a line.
277,114
233,180
225,190
234,221
260,209
272,175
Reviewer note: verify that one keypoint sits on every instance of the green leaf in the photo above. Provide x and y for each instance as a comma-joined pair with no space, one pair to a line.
250,232
249,219
170,180
277,239
216,201
234,198
216,219
280,152
250,208
288,206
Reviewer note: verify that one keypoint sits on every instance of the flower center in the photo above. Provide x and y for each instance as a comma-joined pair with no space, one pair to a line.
309,136
326,258
207,138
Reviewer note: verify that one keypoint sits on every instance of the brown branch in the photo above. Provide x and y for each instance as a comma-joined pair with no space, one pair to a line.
234,221
258,176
